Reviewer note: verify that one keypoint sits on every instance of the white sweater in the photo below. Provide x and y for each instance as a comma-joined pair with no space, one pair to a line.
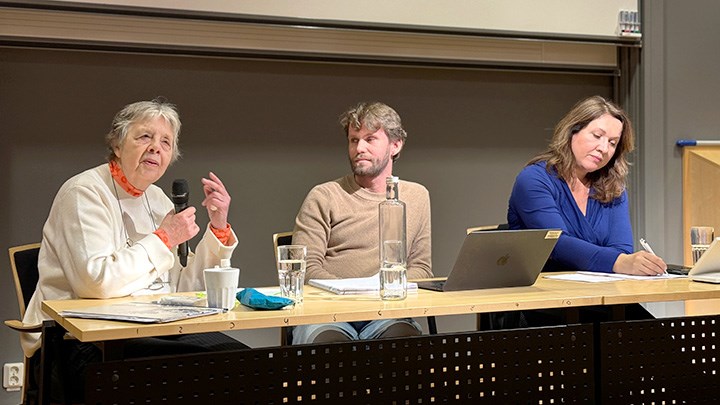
84,251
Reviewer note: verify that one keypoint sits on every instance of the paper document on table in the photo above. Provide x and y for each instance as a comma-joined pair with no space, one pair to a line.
144,312
594,277
269,290
354,286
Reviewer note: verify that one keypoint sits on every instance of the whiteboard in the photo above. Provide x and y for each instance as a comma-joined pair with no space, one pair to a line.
563,17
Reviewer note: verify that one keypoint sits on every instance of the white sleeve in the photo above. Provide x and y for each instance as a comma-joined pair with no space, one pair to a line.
208,254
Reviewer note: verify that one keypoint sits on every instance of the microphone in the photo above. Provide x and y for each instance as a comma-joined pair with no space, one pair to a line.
180,197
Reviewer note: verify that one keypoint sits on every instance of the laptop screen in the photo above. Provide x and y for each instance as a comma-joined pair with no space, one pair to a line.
498,259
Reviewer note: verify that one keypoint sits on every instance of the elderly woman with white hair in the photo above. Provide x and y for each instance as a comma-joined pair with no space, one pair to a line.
111,233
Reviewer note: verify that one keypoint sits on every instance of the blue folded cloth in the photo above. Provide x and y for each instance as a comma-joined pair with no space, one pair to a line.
253,298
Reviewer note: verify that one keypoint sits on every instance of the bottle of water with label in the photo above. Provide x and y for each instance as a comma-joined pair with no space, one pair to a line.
393,252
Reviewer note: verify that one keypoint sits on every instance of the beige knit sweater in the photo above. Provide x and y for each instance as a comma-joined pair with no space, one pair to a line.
338,222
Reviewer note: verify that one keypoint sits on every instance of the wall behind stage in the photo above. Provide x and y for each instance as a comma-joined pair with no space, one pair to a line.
270,131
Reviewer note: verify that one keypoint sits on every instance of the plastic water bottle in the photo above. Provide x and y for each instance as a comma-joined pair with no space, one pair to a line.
393,251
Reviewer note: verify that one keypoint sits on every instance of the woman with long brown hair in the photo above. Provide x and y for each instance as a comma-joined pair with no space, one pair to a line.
579,185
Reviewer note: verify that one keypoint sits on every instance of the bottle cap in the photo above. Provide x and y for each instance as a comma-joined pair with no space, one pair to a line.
392,180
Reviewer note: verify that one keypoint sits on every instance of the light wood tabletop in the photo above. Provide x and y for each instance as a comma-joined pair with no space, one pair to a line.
658,290
323,307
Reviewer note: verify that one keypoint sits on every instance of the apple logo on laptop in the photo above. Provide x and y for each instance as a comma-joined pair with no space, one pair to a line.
503,260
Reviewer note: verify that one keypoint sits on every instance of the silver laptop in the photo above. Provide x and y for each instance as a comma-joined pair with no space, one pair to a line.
497,259
707,268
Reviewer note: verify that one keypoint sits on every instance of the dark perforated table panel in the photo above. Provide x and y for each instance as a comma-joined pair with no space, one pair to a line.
541,366
667,361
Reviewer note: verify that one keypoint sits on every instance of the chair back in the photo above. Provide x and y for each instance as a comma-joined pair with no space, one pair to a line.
281,239
24,265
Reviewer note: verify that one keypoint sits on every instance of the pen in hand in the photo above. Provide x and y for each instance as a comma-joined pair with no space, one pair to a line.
647,248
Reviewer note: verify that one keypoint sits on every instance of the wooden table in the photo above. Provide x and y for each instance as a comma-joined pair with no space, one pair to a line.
323,307
663,290
532,351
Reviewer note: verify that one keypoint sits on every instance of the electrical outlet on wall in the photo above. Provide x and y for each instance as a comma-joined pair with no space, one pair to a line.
13,376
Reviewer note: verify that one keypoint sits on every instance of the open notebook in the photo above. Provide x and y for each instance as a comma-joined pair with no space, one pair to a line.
350,286
144,312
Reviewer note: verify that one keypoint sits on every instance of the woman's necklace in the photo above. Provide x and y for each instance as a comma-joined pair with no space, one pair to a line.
129,241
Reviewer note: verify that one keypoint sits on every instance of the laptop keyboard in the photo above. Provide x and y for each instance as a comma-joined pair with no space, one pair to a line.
434,285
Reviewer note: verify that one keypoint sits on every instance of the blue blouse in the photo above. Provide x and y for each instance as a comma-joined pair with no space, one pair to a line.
588,242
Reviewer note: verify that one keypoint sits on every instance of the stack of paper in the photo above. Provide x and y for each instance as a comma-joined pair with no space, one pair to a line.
144,312
354,286
597,277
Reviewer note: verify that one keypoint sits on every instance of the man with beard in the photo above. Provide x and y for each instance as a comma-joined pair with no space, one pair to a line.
338,221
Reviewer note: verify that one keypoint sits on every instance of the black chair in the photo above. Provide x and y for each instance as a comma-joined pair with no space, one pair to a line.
281,239
285,238
24,265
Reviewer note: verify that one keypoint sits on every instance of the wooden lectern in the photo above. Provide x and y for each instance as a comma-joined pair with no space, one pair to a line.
701,197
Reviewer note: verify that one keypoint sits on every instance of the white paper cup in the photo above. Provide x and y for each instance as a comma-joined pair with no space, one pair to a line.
221,287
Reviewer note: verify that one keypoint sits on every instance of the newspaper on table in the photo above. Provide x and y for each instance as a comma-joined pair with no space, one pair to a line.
143,312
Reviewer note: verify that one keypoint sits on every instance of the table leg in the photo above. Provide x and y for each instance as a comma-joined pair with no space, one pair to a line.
618,312
52,336
113,350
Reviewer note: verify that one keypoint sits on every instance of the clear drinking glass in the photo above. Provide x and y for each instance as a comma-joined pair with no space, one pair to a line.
291,271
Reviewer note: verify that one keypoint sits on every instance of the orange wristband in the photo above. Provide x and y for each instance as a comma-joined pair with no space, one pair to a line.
163,237
223,235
